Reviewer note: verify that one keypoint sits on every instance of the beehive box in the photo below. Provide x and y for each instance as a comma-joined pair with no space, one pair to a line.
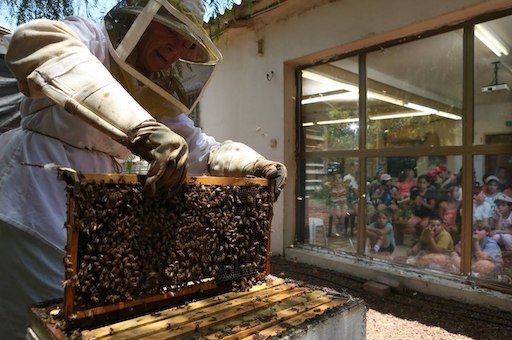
276,309
125,250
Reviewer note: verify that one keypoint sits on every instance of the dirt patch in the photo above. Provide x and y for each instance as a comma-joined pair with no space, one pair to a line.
410,315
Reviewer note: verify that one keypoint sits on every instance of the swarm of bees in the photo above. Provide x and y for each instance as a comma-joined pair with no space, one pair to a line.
131,247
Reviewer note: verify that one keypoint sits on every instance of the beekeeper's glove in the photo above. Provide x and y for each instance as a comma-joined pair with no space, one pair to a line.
165,150
235,159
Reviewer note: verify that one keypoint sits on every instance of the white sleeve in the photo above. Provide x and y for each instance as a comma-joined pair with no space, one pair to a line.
90,35
199,143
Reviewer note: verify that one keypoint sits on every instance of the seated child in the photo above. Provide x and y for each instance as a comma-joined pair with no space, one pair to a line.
481,209
503,232
449,209
487,259
434,245
379,234
422,203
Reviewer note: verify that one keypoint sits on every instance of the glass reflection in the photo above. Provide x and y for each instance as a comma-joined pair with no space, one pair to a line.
330,97
492,219
331,203
413,210
410,98
493,79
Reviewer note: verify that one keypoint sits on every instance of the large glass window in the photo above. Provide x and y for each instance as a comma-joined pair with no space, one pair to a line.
415,93
331,203
330,106
493,82
413,210
407,205
491,244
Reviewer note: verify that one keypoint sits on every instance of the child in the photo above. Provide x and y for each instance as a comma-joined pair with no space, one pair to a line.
493,192
379,234
449,209
406,181
487,259
434,239
422,203
388,194
503,232
481,209
437,242
338,204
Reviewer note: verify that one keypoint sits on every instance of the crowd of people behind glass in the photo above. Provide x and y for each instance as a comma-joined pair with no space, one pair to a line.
428,208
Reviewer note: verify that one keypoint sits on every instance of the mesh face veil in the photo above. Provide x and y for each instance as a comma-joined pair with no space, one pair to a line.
162,47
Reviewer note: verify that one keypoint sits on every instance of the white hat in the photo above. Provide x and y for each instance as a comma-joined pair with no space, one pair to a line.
385,177
491,178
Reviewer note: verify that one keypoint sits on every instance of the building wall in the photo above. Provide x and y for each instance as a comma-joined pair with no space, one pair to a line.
251,97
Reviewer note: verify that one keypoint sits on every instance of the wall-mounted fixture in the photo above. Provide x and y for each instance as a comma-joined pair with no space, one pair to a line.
260,47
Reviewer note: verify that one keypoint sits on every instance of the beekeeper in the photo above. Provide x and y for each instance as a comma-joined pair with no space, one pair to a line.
94,95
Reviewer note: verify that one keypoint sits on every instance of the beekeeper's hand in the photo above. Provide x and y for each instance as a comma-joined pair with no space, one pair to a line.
166,151
238,160
273,171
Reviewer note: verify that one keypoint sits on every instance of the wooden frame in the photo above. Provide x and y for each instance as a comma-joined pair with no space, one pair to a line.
71,312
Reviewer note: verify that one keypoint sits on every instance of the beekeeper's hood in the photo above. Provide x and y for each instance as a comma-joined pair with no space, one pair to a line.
180,83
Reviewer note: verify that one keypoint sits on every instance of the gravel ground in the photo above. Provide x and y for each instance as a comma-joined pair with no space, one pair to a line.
410,315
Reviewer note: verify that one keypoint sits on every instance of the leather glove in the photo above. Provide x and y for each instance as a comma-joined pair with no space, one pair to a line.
166,151
239,160
273,171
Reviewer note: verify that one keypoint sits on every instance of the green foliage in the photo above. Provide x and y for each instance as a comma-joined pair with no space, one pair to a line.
26,10
323,195
219,13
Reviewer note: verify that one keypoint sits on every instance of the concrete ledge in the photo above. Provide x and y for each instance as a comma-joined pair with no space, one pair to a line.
426,281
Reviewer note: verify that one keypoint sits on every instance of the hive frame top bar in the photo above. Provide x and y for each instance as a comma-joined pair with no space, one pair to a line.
207,180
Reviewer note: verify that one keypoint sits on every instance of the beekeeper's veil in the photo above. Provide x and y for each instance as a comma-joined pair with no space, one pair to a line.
180,84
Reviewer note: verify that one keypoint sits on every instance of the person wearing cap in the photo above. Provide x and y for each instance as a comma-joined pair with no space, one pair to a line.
502,232
95,94
493,191
445,177
388,194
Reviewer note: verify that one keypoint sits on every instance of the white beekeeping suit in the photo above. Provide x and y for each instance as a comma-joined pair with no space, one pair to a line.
94,95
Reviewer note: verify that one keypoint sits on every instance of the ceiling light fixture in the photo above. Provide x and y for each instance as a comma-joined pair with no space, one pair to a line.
353,93
385,98
338,121
400,115
337,96
491,40
421,108
448,115
328,81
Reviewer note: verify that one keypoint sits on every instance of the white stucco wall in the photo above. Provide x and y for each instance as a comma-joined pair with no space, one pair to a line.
242,105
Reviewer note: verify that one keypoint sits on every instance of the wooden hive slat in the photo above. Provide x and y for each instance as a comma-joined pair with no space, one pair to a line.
268,310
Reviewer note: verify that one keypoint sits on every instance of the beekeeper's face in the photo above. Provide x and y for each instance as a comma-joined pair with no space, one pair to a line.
159,47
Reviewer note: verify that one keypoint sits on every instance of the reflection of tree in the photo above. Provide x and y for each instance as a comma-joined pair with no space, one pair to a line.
171,80
340,136
409,130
